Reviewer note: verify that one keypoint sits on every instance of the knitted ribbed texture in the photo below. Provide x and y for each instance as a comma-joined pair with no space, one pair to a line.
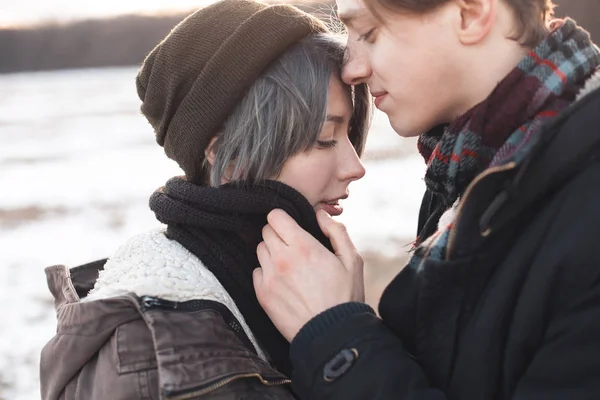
222,227
191,81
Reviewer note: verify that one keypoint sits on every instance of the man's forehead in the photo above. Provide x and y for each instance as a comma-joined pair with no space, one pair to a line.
348,10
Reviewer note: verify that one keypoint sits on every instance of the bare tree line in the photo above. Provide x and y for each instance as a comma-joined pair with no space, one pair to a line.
94,43
126,40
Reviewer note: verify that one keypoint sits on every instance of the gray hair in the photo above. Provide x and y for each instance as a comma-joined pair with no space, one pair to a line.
284,111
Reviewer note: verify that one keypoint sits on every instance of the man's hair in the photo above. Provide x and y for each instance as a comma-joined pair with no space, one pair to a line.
283,112
531,16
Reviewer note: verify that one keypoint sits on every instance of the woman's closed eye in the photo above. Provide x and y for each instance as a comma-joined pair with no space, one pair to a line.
325,144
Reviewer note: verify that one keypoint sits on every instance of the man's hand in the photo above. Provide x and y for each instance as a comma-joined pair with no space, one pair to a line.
299,277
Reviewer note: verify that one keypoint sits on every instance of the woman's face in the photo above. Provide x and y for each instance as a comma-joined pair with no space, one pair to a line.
324,173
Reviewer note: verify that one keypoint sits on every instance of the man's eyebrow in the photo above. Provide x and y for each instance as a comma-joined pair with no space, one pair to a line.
335,118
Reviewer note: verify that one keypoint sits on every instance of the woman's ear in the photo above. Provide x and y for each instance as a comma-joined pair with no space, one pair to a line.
209,151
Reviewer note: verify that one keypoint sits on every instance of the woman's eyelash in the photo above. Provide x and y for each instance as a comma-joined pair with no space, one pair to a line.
326,143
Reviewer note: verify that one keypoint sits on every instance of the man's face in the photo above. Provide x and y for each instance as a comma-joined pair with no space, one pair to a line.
410,62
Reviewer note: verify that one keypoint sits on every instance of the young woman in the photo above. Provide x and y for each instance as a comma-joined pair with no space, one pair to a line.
248,99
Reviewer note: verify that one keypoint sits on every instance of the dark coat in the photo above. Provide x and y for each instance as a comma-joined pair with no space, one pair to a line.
514,310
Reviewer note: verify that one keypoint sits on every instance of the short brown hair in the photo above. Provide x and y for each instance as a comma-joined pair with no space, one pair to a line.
531,16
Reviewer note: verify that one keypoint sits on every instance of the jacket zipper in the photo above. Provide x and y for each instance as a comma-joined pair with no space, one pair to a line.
149,302
478,178
220,383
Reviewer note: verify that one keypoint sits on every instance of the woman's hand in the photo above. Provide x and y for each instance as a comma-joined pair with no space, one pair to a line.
299,277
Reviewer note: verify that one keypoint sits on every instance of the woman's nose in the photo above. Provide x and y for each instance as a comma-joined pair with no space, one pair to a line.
351,168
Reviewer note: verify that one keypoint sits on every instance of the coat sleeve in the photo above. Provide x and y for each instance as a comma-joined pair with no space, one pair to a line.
348,353
566,366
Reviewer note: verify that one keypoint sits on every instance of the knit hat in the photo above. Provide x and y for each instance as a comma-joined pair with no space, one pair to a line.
191,81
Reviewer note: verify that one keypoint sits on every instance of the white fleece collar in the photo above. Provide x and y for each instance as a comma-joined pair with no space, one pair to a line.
150,264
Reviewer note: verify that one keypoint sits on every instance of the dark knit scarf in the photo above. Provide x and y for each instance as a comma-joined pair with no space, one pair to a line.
222,227
500,129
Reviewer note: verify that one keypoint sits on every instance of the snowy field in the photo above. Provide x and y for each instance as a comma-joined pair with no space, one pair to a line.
77,165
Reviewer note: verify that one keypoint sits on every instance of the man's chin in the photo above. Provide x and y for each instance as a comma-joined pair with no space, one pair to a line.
408,129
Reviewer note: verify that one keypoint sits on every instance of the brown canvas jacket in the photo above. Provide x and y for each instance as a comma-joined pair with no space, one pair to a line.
132,347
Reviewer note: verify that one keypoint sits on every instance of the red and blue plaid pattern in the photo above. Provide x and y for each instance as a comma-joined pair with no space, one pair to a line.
499,130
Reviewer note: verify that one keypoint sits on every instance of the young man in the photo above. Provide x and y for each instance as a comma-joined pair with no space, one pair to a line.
501,298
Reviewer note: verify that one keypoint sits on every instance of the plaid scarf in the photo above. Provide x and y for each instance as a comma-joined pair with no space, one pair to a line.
500,129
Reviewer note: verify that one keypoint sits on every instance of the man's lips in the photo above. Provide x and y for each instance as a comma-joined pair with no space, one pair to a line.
379,97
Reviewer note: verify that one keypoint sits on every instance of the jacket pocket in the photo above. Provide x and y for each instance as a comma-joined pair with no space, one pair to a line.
134,348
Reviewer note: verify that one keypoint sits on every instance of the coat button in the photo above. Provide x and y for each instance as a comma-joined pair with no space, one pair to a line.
339,364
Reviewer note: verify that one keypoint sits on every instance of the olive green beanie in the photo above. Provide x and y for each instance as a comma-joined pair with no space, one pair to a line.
191,81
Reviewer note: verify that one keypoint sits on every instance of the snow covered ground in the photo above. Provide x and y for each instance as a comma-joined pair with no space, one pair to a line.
77,165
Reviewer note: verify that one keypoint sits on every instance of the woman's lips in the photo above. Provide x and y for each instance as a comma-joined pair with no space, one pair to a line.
333,209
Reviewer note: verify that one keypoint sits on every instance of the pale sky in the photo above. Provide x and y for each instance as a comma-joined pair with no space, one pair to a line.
18,12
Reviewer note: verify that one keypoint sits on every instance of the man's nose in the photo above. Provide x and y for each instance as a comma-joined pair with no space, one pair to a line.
356,69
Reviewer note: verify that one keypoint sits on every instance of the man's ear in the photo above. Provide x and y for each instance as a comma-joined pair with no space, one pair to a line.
209,151
477,20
